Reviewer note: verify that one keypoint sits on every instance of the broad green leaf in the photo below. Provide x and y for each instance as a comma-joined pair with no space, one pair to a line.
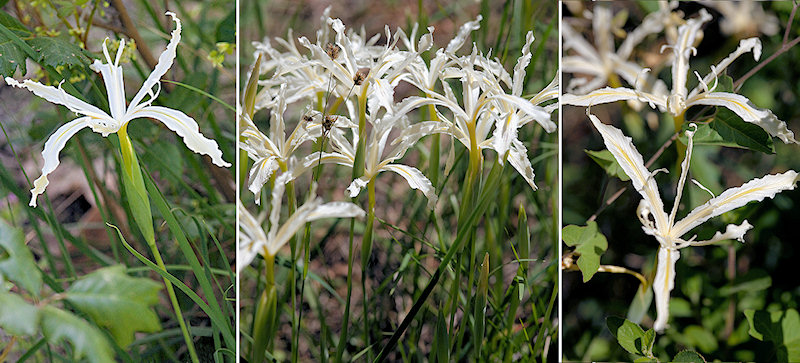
697,336
705,135
17,317
226,29
10,57
117,301
58,52
629,335
13,24
742,134
724,84
753,281
589,243
65,8
87,341
608,163
648,340
16,260
780,328
689,356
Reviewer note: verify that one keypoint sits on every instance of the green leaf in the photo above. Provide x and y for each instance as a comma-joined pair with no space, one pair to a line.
65,8
13,24
629,335
226,29
117,301
589,243
780,328
441,341
58,52
725,84
752,281
11,56
697,336
732,129
689,356
16,260
648,340
608,163
87,341
17,317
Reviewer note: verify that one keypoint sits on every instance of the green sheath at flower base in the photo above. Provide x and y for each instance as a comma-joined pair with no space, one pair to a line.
135,190
266,312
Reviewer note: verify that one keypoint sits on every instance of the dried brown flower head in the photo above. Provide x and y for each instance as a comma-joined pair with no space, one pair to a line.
360,76
332,50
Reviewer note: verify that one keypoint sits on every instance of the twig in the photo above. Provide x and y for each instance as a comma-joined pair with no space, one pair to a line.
7,349
784,47
789,24
141,45
113,28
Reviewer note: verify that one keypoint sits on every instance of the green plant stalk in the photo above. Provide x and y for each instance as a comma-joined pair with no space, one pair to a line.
486,197
513,292
433,164
346,317
291,205
540,336
679,146
366,250
358,170
467,200
307,249
266,312
479,314
140,207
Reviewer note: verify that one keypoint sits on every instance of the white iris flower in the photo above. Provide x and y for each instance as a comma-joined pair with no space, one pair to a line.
253,240
680,99
101,122
669,233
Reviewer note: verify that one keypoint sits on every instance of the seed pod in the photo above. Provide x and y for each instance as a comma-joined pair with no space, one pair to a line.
360,76
327,124
332,50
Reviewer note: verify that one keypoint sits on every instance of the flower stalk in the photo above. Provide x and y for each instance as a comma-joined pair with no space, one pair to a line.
139,204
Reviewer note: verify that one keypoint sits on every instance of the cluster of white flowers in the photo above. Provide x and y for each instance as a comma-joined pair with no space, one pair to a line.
360,75
601,63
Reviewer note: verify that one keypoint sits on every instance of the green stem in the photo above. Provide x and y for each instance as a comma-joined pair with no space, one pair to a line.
346,317
140,206
266,310
433,164
679,146
366,250
467,201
